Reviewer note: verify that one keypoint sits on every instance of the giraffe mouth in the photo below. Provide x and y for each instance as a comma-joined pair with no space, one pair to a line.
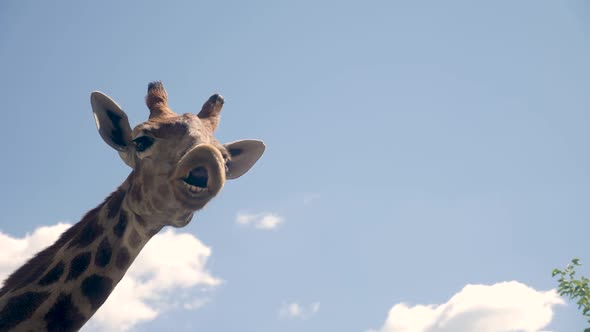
200,175
196,181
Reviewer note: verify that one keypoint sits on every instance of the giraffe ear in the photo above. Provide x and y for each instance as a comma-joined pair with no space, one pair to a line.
111,121
112,124
244,154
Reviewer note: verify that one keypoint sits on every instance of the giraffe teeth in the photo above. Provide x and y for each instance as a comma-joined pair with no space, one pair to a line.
194,189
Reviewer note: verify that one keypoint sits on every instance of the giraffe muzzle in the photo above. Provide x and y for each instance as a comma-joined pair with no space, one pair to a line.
200,174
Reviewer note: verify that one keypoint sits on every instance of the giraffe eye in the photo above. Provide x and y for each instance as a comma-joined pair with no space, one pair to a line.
143,143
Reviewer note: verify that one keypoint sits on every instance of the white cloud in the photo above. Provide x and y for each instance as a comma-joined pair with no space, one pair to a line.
264,220
170,264
294,310
502,307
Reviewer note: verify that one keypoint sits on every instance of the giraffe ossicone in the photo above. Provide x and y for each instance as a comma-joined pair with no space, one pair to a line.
177,168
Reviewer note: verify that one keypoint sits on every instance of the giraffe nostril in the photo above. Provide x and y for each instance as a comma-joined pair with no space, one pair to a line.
198,177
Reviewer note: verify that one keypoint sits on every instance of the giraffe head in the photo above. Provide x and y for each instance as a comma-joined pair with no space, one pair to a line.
178,165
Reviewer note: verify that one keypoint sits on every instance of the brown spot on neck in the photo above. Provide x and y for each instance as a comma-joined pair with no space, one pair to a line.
123,258
96,289
134,239
20,308
88,230
121,225
103,253
78,265
140,220
64,315
114,203
53,275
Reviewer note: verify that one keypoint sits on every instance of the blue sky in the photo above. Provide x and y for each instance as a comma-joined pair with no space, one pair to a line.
412,148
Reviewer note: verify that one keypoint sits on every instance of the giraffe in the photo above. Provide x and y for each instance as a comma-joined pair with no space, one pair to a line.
177,167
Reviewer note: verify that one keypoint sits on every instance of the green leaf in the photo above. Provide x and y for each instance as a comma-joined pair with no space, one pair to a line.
577,289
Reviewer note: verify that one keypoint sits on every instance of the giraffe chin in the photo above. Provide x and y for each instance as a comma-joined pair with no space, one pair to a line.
199,176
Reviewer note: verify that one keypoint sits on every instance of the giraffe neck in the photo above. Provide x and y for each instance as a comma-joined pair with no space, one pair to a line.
63,286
